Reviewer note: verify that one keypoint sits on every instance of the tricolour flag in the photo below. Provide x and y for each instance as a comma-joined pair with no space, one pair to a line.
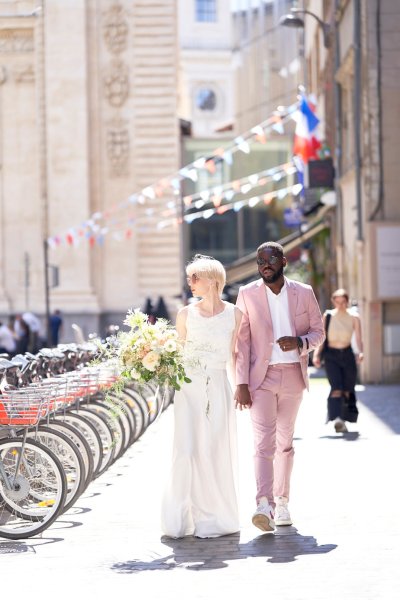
306,143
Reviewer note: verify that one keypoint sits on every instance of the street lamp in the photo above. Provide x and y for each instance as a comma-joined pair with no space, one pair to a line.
296,22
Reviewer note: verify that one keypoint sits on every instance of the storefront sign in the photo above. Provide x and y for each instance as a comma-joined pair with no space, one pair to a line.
321,173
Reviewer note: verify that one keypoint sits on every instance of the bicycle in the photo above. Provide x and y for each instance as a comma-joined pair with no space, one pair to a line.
33,485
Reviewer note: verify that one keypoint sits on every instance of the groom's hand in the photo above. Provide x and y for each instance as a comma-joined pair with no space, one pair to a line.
242,396
287,343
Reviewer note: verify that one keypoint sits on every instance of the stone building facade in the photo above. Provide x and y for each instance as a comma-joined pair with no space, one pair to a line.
362,67
206,82
88,117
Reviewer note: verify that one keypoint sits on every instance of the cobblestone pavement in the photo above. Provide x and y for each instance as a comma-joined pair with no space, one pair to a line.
345,542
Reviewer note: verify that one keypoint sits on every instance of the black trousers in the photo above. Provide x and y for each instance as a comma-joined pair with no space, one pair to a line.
341,371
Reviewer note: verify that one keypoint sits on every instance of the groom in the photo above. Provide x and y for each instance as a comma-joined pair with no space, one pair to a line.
281,324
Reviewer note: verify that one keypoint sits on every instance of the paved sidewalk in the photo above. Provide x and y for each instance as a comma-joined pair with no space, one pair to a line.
345,542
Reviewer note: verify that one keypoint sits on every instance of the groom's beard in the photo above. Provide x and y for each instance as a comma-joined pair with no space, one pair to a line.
272,278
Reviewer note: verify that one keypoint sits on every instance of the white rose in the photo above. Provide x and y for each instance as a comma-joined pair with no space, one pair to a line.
135,374
151,361
170,346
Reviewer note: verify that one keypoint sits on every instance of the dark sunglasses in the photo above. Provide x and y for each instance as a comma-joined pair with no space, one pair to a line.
271,260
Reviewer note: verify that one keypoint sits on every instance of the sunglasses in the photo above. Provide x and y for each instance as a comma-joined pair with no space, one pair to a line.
271,260
192,279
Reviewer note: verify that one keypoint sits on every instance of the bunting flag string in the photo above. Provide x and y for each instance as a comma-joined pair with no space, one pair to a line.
244,185
266,198
94,231
119,231
100,224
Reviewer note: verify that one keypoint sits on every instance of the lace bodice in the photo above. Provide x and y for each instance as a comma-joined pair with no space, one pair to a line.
208,339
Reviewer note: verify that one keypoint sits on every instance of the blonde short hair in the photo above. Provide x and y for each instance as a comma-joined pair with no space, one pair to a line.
340,292
210,268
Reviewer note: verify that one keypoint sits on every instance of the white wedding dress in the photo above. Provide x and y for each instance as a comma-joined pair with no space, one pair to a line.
200,498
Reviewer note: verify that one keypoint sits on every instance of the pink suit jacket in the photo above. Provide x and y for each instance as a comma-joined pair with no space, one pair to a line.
256,336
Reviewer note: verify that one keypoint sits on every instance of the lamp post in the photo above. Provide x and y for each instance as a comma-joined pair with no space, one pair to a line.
42,125
293,20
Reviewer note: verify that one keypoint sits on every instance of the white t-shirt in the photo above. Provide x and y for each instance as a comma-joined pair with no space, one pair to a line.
6,339
32,321
279,309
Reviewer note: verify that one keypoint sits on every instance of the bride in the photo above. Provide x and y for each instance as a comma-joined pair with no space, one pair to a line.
200,498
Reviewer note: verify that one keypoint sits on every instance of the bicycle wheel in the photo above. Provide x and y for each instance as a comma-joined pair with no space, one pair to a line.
105,433
152,395
158,398
142,406
33,488
127,417
70,458
117,419
90,434
81,444
136,410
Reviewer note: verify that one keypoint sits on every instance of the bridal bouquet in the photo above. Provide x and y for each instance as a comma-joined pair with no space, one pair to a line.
150,352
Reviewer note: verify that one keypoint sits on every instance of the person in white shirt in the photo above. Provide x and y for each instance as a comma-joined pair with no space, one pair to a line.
32,321
7,341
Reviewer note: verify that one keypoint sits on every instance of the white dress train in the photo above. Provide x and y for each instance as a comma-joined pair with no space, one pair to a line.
200,498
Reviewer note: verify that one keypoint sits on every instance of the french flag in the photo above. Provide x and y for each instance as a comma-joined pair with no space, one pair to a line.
306,143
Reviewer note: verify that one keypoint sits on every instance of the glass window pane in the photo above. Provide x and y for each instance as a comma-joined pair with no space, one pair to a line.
206,11
206,99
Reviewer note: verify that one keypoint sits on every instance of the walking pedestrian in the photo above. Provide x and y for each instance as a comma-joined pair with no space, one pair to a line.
22,333
33,323
341,324
56,324
281,324
150,311
8,343
200,498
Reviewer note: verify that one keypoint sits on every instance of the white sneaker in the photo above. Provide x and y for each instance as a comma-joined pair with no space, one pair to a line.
340,426
282,514
263,518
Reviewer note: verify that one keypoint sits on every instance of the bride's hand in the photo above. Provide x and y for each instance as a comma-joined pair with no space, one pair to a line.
242,397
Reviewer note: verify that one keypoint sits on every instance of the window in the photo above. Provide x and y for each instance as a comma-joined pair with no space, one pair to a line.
206,99
206,11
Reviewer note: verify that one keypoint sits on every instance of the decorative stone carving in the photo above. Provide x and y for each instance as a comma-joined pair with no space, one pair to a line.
24,74
116,83
118,148
115,29
16,41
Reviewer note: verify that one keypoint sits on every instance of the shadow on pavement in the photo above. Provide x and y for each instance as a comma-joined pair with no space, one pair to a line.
350,436
383,401
60,524
205,554
21,547
78,510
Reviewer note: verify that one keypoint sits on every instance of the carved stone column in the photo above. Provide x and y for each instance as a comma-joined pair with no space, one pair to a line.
68,148
18,173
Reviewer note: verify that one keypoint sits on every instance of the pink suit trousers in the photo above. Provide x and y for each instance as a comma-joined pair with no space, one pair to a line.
273,414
